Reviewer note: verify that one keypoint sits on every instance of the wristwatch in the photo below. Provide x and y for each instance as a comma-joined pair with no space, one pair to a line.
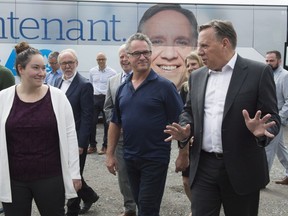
183,143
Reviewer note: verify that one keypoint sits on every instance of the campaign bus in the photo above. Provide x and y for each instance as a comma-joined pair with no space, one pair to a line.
90,27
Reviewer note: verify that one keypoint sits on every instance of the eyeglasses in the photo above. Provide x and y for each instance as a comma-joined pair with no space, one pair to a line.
53,63
101,59
70,63
137,54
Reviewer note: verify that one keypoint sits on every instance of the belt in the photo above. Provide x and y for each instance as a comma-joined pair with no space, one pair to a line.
216,155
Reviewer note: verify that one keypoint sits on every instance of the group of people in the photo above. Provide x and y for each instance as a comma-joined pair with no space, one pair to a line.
224,155
226,112
213,132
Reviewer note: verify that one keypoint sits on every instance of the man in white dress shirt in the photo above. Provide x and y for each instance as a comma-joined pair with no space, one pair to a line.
99,77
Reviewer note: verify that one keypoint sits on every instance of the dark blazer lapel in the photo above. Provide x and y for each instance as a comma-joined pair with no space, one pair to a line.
201,90
73,85
239,74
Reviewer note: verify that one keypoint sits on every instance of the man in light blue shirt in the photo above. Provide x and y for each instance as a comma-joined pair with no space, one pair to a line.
273,58
55,69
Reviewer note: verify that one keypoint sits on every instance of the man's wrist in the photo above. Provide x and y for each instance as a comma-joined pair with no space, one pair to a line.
183,143
184,151
261,141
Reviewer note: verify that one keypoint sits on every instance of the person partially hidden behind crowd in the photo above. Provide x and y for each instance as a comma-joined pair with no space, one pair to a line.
99,77
277,146
173,31
144,104
192,62
228,164
79,92
55,72
39,150
7,79
113,84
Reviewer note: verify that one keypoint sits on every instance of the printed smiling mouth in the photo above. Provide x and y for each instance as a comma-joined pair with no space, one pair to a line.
168,67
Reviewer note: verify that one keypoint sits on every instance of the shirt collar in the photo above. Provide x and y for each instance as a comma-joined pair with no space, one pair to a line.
151,76
229,66
59,71
101,69
279,69
70,79
125,73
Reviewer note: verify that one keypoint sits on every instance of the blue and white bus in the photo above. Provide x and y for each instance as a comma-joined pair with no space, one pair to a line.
93,26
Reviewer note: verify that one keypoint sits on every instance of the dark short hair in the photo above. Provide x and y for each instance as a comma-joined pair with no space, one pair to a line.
223,29
175,7
277,53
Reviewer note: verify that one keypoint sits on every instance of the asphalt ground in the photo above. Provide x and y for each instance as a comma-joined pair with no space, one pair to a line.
273,199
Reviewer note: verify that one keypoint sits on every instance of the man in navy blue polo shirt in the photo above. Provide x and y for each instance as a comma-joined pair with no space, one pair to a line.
144,104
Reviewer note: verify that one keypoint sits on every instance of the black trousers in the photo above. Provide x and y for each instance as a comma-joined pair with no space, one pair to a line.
212,188
48,195
86,193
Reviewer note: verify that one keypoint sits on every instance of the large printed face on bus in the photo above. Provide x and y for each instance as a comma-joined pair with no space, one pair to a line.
171,35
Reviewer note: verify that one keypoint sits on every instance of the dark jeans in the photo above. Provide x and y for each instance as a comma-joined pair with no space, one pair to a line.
98,108
147,180
86,193
48,195
212,187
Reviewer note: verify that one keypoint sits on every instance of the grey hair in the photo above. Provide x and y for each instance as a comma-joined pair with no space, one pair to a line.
71,51
54,54
140,37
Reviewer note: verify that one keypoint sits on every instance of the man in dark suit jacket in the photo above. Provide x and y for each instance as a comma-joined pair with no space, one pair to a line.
228,161
79,92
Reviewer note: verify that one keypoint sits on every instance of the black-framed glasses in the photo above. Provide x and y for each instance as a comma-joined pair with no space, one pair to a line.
137,54
70,63
53,63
